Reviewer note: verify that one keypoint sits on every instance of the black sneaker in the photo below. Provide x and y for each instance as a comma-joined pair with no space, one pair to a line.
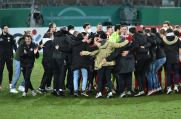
141,93
41,91
71,92
122,95
136,90
130,93
60,93
54,92
76,94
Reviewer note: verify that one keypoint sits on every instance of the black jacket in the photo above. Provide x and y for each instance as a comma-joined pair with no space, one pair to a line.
141,40
160,53
47,49
172,51
7,44
27,56
69,55
79,61
124,64
62,44
154,41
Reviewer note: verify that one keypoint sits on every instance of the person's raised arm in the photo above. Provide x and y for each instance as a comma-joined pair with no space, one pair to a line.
87,53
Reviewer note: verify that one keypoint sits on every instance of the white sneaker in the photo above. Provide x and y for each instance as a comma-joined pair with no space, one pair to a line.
10,85
176,88
150,93
109,95
49,88
159,89
99,95
140,94
21,88
33,93
13,91
128,93
122,95
24,94
113,91
84,94
169,90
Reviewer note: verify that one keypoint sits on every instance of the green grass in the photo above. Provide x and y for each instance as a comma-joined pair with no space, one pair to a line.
49,107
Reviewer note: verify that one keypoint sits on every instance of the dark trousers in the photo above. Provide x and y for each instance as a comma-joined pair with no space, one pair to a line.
58,73
124,82
9,65
69,84
91,75
172,69
27,74
47,75
140,72
104,74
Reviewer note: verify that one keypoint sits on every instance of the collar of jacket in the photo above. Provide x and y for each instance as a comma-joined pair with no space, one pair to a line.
5,34
115,37
170,42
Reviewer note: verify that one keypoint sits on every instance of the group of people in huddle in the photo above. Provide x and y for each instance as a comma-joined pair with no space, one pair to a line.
106,63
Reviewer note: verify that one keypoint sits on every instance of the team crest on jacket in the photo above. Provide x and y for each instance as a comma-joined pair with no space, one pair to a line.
57,47
31,49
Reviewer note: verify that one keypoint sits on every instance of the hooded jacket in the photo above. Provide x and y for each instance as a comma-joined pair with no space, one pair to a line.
62,44
124,64
114,38
141,40
79,61
104,51
171,45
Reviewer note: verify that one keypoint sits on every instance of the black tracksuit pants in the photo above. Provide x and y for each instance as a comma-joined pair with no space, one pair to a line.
141,69
58,73
48,73
172,69
69,84
91,75
124,82
104,74
9,64
27,74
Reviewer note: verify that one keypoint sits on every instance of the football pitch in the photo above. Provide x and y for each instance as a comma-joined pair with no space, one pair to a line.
49,107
